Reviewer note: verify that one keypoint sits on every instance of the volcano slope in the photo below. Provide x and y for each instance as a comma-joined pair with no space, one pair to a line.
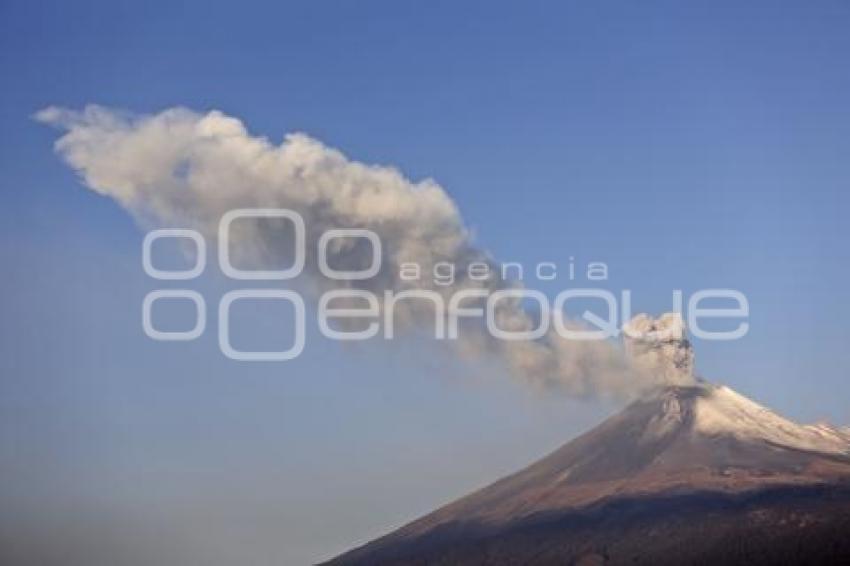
686,475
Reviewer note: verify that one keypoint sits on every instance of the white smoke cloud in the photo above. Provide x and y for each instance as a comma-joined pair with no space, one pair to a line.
180,168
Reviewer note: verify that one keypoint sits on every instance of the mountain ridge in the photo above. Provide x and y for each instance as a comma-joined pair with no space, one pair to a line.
694,442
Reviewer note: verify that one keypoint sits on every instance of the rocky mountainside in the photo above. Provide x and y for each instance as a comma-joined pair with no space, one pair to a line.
703,452
692,473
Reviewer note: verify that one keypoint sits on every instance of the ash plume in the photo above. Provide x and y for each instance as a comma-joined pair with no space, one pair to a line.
660,346
179,168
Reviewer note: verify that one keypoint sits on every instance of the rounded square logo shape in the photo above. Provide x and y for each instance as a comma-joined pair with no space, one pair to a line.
241,355
247,274
179,335
367,273
200,254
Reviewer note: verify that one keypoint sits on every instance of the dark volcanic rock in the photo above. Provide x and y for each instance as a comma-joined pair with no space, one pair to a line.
797,525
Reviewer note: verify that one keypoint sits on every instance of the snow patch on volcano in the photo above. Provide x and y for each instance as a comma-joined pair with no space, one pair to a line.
723,411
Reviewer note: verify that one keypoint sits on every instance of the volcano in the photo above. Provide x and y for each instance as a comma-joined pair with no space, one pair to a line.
688,474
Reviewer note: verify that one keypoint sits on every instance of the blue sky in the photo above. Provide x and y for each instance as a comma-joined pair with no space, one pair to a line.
686,146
